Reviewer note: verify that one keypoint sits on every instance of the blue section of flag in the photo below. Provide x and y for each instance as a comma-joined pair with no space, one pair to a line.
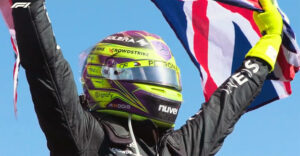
288,44
288,29
240,49
268,95
174,14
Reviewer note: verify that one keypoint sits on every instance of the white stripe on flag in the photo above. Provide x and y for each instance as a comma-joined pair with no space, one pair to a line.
187,8
280,89
292,58
221,41
222,38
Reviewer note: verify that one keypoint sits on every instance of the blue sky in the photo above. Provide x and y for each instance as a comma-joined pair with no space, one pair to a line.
271,130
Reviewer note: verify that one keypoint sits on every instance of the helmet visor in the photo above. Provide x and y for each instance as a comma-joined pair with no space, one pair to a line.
150,74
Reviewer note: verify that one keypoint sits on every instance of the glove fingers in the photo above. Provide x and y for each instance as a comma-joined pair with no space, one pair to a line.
258,21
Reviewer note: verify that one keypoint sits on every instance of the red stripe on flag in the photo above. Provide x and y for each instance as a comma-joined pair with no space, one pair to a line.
287,69
201,29
296,69
14,46
248,14
255,3
288,87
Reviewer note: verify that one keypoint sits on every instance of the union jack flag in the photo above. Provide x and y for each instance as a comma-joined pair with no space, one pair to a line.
5,9
217,34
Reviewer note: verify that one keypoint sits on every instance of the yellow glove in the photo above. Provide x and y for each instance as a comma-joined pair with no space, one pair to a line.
270,25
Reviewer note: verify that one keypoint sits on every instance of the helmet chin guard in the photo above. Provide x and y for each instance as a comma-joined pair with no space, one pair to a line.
133,72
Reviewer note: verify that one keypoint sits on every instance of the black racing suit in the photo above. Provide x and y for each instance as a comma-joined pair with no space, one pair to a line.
71,130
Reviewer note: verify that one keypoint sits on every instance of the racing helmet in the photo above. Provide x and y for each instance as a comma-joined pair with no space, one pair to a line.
133,72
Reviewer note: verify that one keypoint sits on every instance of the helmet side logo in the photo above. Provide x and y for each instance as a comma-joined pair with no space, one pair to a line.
162,50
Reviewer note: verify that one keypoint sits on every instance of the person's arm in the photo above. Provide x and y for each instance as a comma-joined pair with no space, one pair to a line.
68,128
204,133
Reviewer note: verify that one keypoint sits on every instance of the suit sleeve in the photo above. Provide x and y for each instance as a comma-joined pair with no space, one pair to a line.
205,132
68,128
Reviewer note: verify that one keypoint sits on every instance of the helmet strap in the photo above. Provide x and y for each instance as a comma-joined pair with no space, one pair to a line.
132,136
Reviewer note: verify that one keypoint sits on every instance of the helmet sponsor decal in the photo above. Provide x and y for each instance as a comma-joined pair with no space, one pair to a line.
119,106
134,52
98,49
136,64
168,109
148,63
130,41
